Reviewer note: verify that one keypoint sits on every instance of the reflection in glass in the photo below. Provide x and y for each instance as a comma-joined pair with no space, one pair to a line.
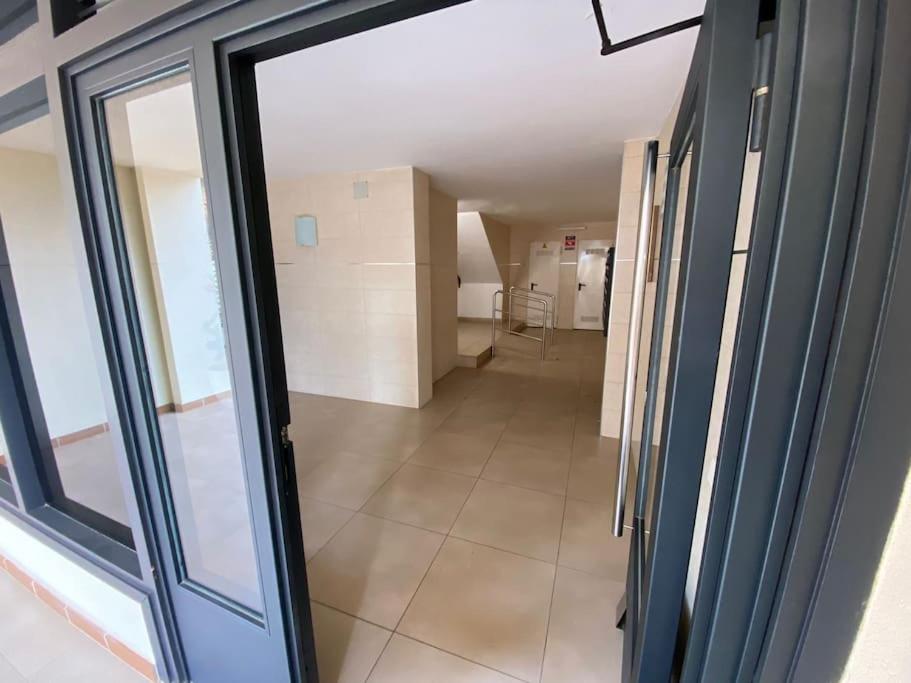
79,429
647,461
4,459
165,220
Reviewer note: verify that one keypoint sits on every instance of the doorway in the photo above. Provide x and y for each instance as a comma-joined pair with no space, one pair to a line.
367,401
590,280
543,277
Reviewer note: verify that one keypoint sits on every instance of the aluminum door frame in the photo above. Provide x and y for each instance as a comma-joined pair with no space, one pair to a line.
713,121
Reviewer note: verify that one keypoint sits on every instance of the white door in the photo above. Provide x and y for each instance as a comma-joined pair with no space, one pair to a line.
592,258
543,276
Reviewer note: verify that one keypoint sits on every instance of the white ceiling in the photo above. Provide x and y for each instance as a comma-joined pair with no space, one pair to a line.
507,104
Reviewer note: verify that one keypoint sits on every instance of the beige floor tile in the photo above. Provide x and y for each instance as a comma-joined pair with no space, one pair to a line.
320,522
552,433
425,497
8,674
386,440
587,445
583,643
458,453
530,467
306,459
346,648
408,661
477,422
372,567
588,544
96,664
593,478
347,479
486,605
514,519
38,644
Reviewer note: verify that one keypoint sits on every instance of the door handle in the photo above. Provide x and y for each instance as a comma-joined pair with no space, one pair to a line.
532,285
581,285
627,407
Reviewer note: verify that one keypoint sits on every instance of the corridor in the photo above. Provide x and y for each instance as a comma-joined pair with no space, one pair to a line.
468,540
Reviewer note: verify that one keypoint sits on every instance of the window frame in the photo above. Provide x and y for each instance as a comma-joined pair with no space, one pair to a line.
17,17
35,494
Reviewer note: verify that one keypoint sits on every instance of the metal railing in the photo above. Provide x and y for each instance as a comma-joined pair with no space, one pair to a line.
536,301
552,298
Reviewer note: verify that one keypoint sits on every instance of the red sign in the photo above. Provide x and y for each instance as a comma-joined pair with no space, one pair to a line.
569,243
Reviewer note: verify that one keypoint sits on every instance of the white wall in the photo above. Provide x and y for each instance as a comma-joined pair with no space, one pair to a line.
483,263
144,283
183,271
476,299
349,306
45,270
521,237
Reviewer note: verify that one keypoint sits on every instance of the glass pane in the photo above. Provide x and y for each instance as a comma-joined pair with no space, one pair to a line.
736,279
664,339
57,311
648,318
165,220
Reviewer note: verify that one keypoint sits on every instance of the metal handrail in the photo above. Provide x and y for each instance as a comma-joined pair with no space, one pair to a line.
509,296
553,299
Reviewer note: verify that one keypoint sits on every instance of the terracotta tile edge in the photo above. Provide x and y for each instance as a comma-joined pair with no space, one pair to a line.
77,620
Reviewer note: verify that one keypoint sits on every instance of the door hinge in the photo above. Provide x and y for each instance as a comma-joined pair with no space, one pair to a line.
287,455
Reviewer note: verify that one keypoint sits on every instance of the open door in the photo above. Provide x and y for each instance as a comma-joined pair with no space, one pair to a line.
214,470
703,253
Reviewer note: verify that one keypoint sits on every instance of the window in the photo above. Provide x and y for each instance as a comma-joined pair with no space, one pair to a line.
74,443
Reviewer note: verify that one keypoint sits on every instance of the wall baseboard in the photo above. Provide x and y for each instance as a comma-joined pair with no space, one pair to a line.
165,409
117,648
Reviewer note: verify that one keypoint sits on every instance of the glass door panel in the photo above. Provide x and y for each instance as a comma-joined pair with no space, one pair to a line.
164,218
659,340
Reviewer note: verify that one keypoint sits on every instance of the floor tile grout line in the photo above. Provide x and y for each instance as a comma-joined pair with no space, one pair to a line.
458,656
553,591
395,630
437,553
479,384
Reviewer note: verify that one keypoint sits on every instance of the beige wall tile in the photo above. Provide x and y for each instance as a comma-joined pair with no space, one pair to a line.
396,276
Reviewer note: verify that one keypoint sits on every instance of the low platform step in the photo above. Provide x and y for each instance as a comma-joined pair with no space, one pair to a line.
474,360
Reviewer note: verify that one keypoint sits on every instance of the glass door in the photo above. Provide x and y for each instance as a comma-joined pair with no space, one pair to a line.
686,322
210,455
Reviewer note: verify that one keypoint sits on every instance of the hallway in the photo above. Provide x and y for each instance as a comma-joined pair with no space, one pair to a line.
468,540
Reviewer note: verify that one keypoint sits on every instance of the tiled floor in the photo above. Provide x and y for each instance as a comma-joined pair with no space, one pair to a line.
38,645
466,541
469,540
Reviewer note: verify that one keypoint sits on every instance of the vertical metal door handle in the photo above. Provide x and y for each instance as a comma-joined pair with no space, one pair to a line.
649,169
